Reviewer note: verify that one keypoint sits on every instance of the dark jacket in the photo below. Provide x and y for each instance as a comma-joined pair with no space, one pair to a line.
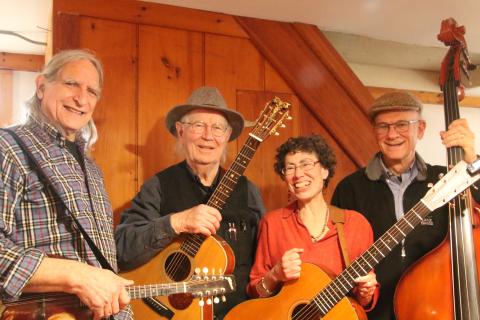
367,192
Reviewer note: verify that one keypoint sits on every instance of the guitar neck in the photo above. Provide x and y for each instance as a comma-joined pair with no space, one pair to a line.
230,178
154,290
343,283
226,186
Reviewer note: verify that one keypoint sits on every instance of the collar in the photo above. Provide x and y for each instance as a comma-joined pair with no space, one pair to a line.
51,133
199,182
375,169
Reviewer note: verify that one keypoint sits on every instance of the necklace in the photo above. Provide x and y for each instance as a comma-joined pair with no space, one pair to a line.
324,229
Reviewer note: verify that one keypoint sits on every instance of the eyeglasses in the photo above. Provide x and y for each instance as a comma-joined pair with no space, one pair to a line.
399,126
198,127
305,166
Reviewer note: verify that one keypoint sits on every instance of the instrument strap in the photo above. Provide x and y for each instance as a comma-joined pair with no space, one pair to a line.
338,218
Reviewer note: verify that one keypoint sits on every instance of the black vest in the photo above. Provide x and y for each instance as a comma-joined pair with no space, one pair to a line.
180,191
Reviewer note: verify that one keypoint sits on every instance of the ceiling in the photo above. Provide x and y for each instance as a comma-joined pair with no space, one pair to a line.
400,33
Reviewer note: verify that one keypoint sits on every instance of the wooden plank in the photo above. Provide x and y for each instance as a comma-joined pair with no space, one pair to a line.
21,62
6,99
273,81
153,14
427,97
260,171
115,115
338,67
66,30
232,64
314,84
170,68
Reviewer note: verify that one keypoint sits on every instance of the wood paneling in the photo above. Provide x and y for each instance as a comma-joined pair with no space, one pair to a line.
170,68
273,81
232,64
314,84
140,12
332,60
115,115
6,101
21,62
65,31
260,171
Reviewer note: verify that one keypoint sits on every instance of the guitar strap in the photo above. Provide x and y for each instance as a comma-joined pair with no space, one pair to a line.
338,218
35,166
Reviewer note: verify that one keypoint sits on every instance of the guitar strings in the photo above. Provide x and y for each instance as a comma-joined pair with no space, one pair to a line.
322,303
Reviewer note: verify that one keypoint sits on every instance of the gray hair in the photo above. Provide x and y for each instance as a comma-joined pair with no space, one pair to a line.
50,72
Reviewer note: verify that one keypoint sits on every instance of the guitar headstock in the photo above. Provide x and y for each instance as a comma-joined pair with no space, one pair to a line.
275,112
211,286
453,183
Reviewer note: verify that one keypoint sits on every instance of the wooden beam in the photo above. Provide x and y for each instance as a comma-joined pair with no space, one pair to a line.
315,84
153,14
6,110
21,62
427,97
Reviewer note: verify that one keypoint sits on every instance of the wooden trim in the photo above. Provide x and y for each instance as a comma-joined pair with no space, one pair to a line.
427,97
6,98
154,14
315,85
337,66
66,31
21,62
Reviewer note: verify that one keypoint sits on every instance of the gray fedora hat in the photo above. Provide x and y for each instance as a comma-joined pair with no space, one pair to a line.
206,98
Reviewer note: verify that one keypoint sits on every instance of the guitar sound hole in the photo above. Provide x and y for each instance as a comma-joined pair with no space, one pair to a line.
305,312
178,266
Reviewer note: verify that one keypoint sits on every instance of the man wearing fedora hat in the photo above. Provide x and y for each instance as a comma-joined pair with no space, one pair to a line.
172,201
394,181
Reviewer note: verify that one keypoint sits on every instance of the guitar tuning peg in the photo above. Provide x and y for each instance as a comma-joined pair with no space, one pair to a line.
209,301
429,185
223,298
282,126
201,303
277,134
216,300
289,118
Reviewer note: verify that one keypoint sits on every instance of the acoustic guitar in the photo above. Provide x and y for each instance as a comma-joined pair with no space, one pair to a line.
59,306
315,296
180,258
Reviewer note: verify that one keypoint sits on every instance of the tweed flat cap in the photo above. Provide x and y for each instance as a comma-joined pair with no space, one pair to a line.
395,101
206,98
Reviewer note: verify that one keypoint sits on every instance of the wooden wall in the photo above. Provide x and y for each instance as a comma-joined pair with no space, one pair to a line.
6,99
155,55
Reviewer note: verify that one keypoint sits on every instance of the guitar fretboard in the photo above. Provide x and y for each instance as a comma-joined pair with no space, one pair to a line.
227,184
338,288
154,290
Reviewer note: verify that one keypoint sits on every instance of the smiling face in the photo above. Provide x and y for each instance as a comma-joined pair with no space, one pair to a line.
70,99
203,148
305,184
398,148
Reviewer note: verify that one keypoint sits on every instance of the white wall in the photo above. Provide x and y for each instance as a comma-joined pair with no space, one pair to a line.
23,90
430,147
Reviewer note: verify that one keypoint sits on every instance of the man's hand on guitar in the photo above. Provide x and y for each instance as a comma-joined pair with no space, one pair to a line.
365,288
201,219
101,290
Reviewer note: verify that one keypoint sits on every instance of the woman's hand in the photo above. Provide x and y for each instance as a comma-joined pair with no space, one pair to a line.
365,288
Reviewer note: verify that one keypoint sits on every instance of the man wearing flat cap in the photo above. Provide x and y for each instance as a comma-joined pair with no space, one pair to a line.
172,201
394,181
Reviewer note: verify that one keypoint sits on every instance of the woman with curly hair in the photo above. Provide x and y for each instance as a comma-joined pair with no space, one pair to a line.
304,231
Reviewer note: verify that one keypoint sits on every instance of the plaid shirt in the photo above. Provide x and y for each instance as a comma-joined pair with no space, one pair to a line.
34,222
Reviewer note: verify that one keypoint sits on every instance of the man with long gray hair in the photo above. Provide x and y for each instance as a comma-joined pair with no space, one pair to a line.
56,224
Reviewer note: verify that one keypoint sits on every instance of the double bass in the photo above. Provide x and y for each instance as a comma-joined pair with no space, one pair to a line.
444,284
